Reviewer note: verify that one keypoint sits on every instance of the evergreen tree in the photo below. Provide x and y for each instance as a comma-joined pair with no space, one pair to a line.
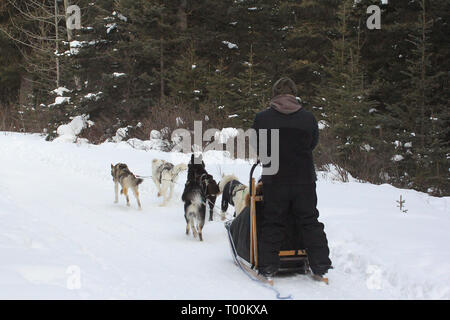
220,98
10,70
187,79
308,30
251,91
418,121
381,95
343,96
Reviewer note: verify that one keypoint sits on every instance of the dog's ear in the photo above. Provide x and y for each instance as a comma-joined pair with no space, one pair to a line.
112,166
203,164
192,158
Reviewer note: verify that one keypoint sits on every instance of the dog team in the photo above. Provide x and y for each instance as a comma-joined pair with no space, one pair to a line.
200,191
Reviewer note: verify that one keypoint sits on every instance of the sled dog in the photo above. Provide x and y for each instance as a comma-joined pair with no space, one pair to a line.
121,174
194,208
209,187
164,175
234,193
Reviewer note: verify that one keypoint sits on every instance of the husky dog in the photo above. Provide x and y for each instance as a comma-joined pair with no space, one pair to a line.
164,175
121,174
196,167
194,208
234,193
210,188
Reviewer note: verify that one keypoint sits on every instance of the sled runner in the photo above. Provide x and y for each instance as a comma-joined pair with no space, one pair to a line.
243,237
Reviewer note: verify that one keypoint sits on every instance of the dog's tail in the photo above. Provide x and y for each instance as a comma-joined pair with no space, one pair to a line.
139,181
191,211
194,207
197,200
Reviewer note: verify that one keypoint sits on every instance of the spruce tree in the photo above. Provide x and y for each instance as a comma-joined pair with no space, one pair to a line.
187,79
343,96
250,91
418,122
307,30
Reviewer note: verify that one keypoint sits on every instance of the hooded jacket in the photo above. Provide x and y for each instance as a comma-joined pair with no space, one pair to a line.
298,136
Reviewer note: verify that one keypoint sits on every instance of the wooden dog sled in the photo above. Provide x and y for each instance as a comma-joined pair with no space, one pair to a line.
243,237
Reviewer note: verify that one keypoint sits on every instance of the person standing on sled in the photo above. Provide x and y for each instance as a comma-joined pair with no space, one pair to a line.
290,194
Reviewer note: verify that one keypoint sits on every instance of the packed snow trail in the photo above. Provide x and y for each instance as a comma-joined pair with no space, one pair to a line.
57,212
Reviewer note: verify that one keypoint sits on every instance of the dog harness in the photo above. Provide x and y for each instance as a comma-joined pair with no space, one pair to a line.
124,172
165,167
205,180
232,187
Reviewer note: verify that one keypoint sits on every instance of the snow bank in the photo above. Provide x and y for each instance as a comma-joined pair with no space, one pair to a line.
156,142
121,134
69,132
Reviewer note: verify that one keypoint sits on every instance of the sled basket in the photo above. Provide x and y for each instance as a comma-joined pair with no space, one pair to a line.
243,235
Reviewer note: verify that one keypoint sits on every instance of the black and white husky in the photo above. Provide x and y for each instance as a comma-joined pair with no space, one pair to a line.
234,193
164,175
197,172
194,208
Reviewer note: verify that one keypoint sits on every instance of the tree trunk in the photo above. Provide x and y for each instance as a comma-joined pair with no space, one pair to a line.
76,79
57,43
26,88
182,15
161,65
422,78
161,60
69,31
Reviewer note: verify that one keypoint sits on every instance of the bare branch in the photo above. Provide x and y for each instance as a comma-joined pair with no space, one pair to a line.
19,41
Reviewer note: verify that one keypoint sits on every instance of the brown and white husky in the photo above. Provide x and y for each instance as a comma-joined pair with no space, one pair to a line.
123,176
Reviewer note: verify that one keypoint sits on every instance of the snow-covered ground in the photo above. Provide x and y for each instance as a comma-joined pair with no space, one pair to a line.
62,237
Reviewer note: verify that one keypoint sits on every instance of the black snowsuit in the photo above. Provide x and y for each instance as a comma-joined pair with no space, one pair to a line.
290,195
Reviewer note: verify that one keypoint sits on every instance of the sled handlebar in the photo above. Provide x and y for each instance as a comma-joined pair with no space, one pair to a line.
251,176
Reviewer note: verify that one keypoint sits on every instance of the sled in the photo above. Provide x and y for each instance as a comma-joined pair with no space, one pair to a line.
243,238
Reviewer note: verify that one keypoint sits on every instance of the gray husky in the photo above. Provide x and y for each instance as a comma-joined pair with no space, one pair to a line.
121,174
